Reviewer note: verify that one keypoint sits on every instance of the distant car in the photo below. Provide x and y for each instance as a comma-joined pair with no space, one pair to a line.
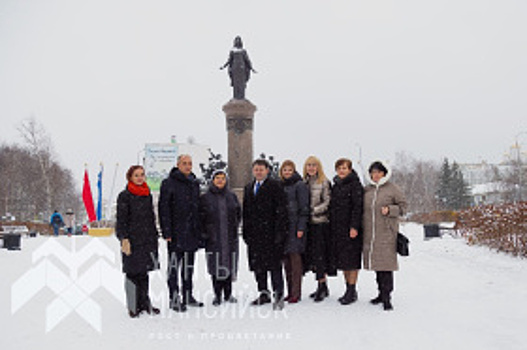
77,229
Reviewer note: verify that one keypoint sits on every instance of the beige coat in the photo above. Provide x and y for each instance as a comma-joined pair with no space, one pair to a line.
380,231
69,220
319,198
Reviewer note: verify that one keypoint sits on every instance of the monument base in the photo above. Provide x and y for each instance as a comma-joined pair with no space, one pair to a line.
240,119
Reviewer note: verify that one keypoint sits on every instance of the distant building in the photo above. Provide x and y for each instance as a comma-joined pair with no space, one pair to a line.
488,181
488,193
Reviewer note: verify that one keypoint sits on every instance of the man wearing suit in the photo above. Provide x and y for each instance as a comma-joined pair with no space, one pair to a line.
264,232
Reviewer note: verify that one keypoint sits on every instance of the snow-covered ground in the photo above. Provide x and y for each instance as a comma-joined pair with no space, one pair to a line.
69,295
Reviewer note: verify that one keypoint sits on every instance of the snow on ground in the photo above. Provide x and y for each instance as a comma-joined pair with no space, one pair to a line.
448,296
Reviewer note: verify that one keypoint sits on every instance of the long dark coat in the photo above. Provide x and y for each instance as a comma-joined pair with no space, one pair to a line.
220,215
298,212
265,225
178,211
136,222
346,208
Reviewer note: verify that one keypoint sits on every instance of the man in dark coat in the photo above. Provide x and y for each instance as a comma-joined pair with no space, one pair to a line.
265,231
179,219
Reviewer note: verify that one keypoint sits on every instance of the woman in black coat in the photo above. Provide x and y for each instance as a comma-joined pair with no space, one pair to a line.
346,209
136,229
220,215
298,214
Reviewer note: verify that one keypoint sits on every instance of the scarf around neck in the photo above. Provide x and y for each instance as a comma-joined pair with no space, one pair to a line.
142,190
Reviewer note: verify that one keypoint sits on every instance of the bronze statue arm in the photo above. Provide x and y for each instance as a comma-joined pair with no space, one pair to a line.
228,63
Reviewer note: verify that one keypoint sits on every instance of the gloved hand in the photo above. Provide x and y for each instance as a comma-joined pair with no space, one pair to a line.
126,248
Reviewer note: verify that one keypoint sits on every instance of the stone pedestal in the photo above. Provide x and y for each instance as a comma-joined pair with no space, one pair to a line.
240,121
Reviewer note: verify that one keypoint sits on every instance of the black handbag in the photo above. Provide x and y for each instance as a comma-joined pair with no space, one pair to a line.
403,245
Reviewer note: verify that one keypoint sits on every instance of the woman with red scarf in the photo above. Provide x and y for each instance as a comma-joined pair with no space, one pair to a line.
136,229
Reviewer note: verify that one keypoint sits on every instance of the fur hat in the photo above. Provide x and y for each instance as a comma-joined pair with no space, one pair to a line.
378,166
217,172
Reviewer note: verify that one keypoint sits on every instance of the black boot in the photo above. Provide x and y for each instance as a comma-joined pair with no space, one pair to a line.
386,302
151,310
218,288
217,300
262,299
191,301
350,296
178,305
133,314
322,292
377,300
385,284
227,292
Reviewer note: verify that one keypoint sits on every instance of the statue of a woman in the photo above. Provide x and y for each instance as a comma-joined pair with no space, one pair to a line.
240,68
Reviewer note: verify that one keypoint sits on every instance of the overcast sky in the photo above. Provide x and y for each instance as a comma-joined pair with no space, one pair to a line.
434,78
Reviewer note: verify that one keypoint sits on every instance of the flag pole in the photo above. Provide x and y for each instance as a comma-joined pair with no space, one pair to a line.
109,210
99,194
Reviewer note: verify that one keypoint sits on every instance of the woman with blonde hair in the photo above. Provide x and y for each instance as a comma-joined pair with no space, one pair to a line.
298,214
319,255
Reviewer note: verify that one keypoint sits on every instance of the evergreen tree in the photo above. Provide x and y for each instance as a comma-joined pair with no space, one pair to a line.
444,188
453,192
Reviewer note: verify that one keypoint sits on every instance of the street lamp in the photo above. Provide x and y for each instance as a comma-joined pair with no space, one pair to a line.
360,163
519,161
142,151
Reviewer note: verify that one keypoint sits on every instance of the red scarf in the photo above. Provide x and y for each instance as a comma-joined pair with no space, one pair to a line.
142,190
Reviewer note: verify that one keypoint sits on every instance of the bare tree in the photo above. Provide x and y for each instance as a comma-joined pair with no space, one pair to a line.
39,144
22,193
418,180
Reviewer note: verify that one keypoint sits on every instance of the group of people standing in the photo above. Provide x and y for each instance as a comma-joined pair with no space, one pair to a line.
297,223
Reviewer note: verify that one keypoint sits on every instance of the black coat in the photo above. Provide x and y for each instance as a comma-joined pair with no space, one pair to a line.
346,208
298,212
178,211
265,225
136,222
220,215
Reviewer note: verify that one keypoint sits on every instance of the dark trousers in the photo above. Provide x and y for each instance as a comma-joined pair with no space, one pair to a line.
136,288
182,262
293,273
384,283
277,281
222,284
